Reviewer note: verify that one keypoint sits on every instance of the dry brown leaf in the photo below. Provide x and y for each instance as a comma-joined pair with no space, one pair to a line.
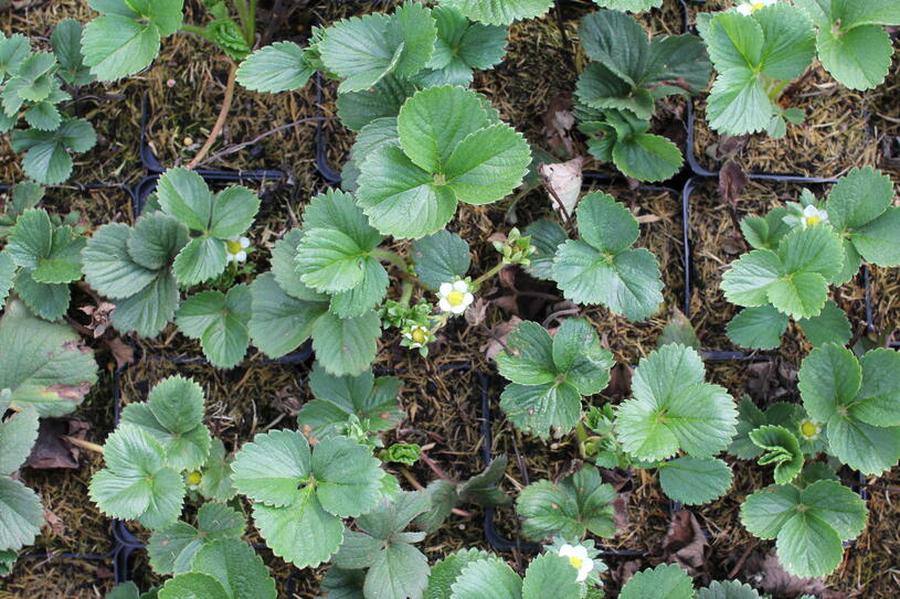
498,335
563,181
100,315
732,181
121,352
685,543
768,576
558,123
646,219
51,451
476,313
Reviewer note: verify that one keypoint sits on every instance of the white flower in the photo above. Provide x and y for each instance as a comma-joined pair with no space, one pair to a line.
810,429
578,558
813,216
455,297
417,335
748,7
236,249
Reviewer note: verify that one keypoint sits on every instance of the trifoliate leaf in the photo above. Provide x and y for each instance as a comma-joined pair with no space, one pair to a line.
576,505
47,153
237,567
173,416
665,581
782,449
136,483
280,322
66,42
858,401
219,321
695,481
276,68
363,50
451,150
373,401
448,569
809,524
546,237
728,589
750,418
215,481
126,37
172,549
460,47
51,253
602,268
43,364
13,50
441,258
499,12
550,374
674,408
50,301
760,327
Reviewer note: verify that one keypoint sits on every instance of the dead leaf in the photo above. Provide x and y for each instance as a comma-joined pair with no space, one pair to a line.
620,510
121,352
768,576
507,278
646,219
685,543
558,123
507,303
54,523
476,312
100,315
498,335
51,451
620,381
563,182
728,147
732,181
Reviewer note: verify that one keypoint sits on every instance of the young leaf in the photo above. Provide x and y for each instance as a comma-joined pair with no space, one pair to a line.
764,232
440,258
782,449
219,321
489,578
363,50
602,267
576,505
52,254
451,150
551,575
172,549
775,43
48,157
629,5
665,581
136,483
125,37
66,42
279,67
461,46
830,326
43,364
215,482
851,42
297,490
859,402
499,12
674,408
173,416
373,401
760,327
193,584
728,589
282,321
695,481
448,569
809,524
550,374
346,346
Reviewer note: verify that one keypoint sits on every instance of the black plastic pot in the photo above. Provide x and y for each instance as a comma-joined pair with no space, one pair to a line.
155,167
142,190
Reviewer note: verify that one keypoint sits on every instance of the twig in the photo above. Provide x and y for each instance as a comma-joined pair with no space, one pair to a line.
555,316
238,147
220,121
434,467
83,444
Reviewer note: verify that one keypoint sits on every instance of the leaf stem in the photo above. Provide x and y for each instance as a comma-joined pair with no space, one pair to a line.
406,291
487,275
197,30
84,444
220,121
391,258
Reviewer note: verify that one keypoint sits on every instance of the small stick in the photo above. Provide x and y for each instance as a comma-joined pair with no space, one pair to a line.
220,121
83,444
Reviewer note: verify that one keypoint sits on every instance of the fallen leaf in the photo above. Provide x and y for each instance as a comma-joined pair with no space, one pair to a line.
558,123
122,352
732,181
768,576
100,315
646,219
476,313
563,182
685,543
620,381
620,510
51,451
498,334
54,523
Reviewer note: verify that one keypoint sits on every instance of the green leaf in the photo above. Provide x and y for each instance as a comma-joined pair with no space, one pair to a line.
275,68
445,572
284,270
17,436
346,346
550,575
363,50
728,589
647,157
47,153
578,504
528,358
665,581
499,12
764,233
193,585
462,46
782,449
172,549
440,258
695,481
860,208
109,267
279,322
629,5
489,578
66,42
357,109
215,482
272,468
51,253
136,483
371,400
220,322
13,50
830,326
344,584
601,268
673,408
173,416
237,567
50,301
126,37
287,530
7,276
23,515
760,327
43,364
44,116
546,236
809,524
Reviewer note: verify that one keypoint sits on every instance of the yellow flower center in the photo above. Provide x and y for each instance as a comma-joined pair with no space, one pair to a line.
813,219
234,247
758,6
419,336
576,562
194,478
456,298
809,429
